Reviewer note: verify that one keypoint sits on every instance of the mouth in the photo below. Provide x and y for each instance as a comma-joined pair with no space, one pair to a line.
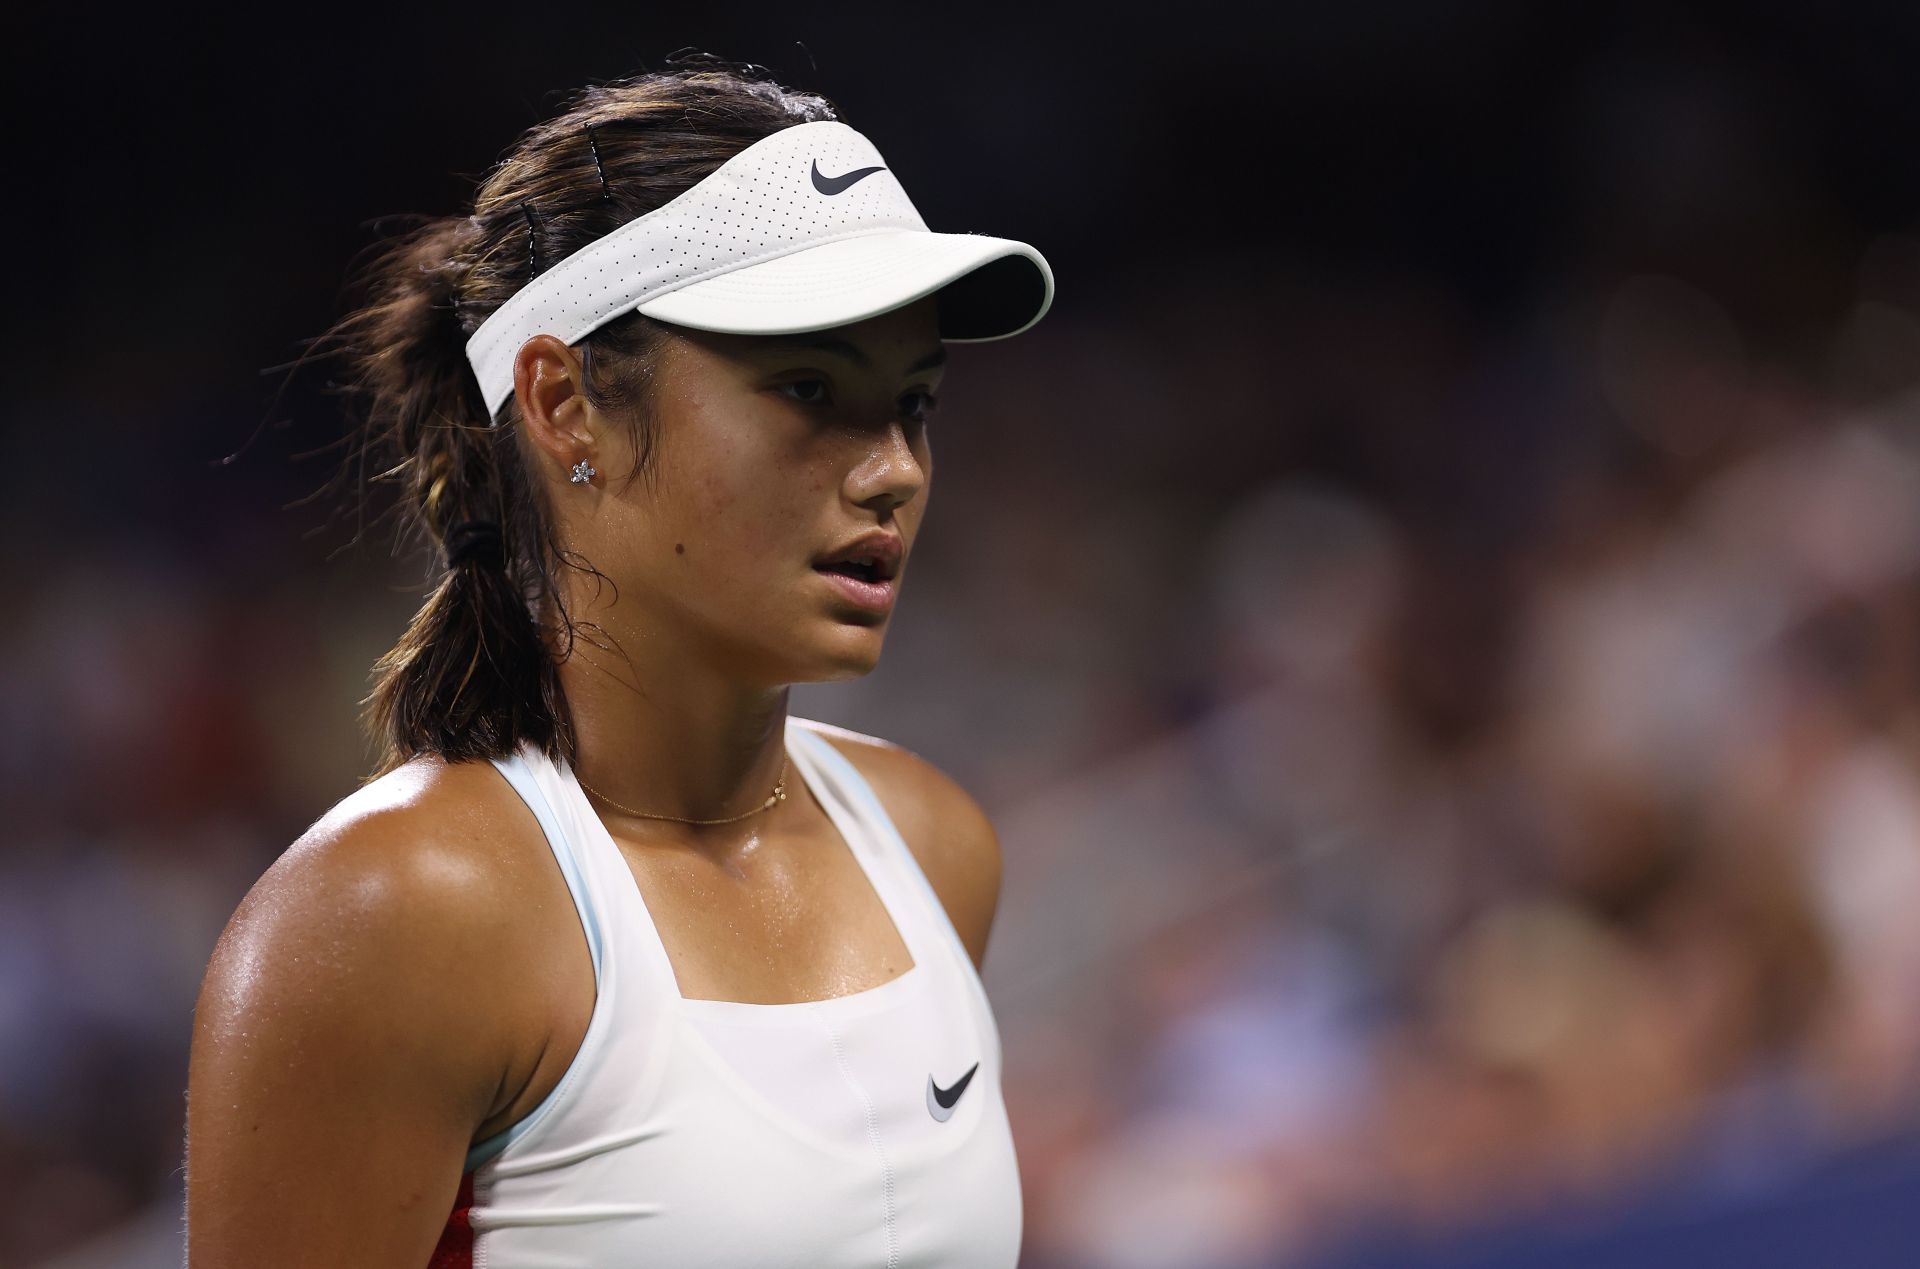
866,586
865,572
859,570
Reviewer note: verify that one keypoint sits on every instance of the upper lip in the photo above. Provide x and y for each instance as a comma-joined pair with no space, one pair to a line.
878,548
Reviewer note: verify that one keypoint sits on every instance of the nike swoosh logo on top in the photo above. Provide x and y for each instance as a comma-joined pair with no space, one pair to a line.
831,185
940,1101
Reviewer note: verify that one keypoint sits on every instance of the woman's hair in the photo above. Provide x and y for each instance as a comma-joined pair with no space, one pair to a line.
475,674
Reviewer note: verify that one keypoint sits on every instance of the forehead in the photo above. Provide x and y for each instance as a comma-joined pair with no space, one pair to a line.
906,339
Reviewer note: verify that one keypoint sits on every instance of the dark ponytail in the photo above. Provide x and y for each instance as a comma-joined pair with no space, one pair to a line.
476,673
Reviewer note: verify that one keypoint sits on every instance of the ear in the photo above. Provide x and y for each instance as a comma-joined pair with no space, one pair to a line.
554,412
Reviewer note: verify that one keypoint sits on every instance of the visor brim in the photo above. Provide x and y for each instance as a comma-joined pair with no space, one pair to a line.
988,288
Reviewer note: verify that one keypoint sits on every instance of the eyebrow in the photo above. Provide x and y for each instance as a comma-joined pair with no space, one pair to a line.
846,348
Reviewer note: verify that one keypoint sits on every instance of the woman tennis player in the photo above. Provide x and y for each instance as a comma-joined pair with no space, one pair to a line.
614,962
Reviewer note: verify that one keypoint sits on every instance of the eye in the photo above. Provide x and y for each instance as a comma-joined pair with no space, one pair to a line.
805,391
919,406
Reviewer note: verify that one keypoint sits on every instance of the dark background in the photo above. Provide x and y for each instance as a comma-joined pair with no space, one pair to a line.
1425,383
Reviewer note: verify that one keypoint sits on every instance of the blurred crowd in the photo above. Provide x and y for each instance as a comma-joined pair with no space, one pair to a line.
1506,866
1454,760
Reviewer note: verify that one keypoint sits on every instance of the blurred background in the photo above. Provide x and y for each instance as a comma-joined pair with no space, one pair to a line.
1434,611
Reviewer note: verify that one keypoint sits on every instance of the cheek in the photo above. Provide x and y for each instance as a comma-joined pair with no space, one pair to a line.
738,491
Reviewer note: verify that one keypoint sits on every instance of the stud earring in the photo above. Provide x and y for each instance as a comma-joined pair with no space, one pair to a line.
583,472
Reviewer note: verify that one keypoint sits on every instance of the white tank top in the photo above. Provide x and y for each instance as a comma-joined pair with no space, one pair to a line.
865,1129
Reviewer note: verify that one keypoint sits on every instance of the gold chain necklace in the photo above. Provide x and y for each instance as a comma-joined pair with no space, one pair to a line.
778,795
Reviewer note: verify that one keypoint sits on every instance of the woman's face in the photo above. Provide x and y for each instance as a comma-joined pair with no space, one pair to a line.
771,453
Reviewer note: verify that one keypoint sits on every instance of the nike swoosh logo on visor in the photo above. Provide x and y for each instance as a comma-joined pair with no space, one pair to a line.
940,1101
831,185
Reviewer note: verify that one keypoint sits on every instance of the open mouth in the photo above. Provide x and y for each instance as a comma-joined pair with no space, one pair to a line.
853,568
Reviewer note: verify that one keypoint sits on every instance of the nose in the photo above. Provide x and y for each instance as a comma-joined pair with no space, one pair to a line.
889,474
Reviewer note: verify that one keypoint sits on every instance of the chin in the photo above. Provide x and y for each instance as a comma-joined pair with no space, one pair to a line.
854,653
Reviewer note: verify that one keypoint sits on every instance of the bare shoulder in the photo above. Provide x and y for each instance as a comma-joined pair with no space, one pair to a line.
431,877
950,835
425,855
365,1009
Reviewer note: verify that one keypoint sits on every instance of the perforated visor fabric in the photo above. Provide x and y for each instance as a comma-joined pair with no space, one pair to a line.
803,230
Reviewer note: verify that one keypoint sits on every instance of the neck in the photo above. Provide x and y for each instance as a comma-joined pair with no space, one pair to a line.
664,732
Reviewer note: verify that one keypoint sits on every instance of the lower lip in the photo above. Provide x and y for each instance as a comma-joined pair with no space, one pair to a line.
872,596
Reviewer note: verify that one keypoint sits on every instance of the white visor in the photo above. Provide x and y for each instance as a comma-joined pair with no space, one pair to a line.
803,230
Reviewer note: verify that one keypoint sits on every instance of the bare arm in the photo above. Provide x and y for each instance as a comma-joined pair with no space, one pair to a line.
339,1063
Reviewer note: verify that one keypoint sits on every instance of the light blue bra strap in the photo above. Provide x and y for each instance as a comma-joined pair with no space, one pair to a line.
850,779
521,776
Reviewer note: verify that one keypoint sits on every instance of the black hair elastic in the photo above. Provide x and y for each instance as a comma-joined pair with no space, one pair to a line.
606,191
475,540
